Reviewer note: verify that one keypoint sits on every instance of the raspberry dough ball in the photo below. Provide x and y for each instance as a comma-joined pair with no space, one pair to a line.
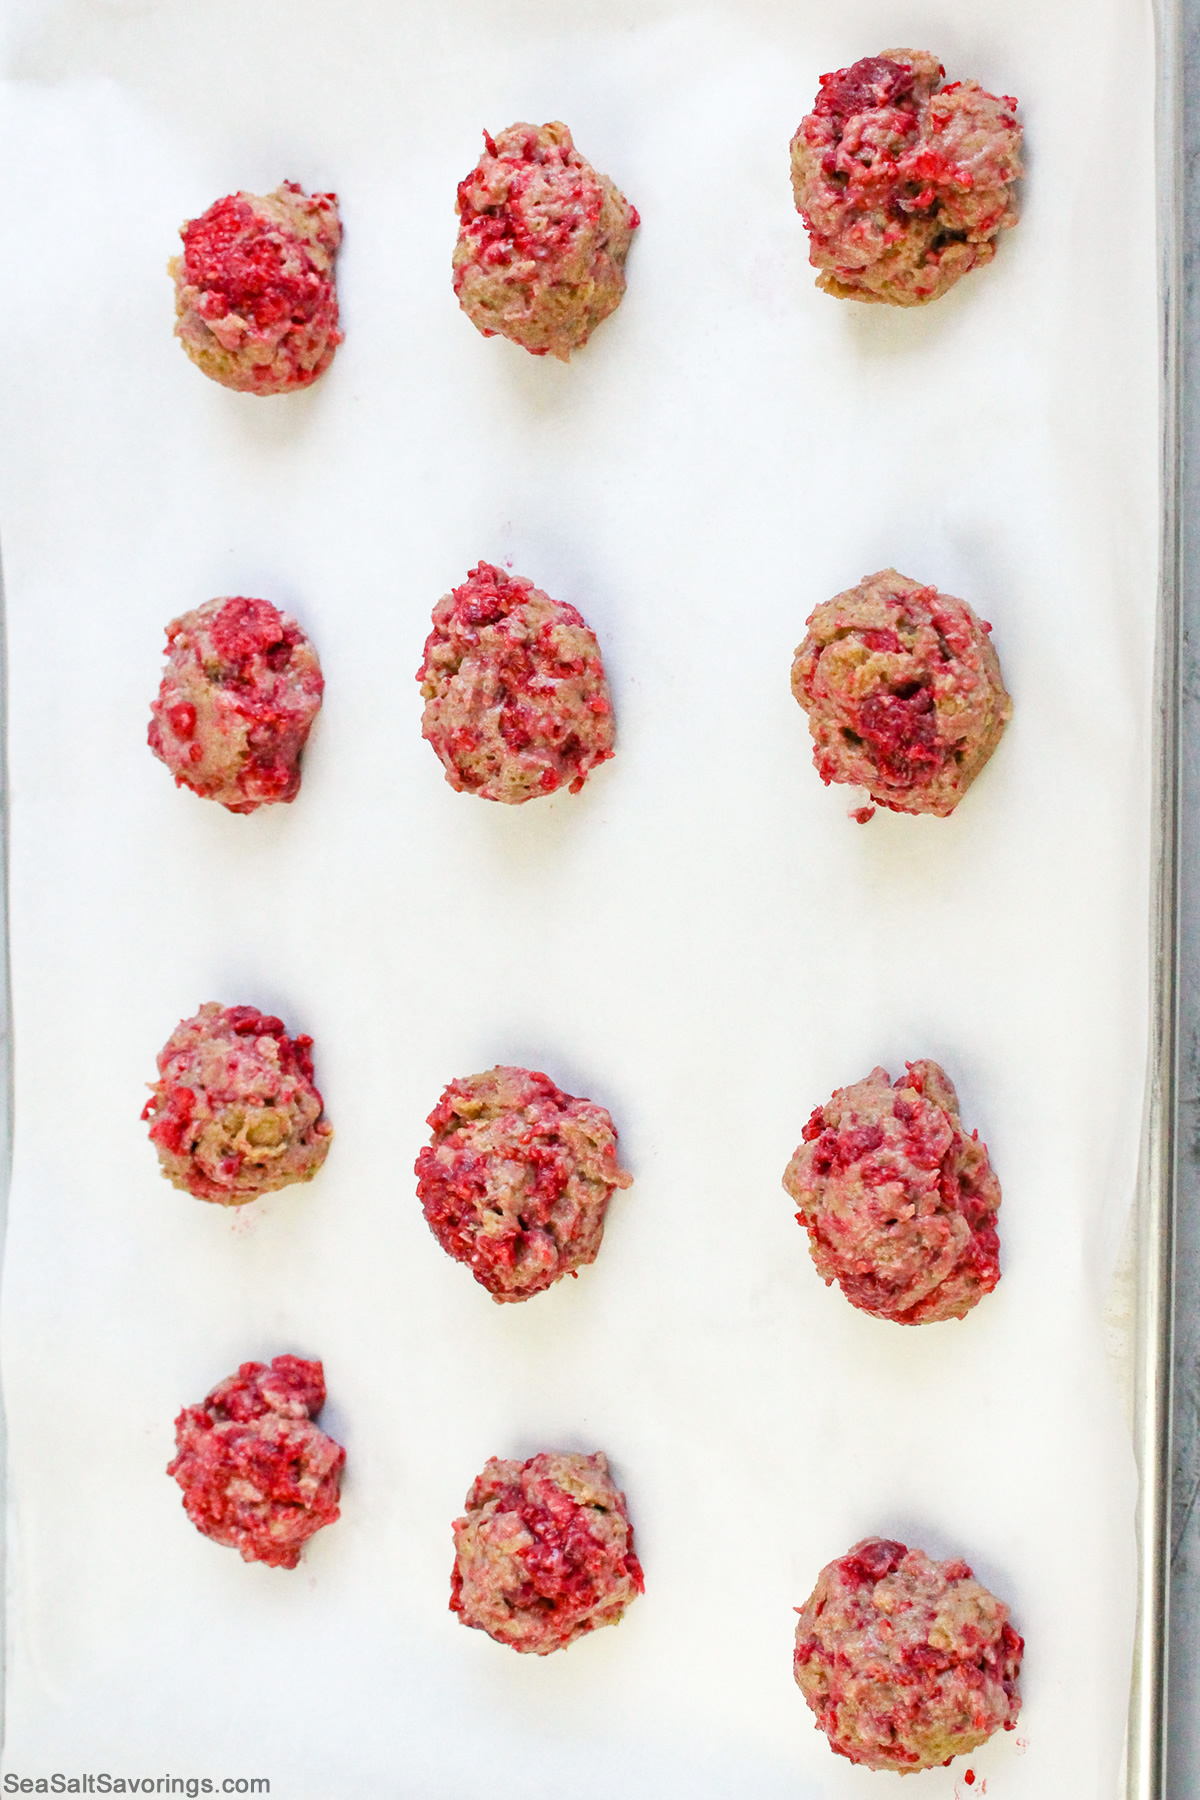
241,689
899,1204
234,1111
255,299
516,700
906,1662
903,184
516,1179
542,241
544,1552
903,693
256,1473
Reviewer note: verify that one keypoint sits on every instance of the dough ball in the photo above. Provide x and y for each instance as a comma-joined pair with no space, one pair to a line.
903,693
256,1473
241,689
542,241
905,1661
516,1179
903,184
255,299
234,1111
899,1204
516,700
544,1552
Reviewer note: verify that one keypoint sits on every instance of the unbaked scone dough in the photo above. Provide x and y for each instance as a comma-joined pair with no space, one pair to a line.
256,1473
516,700
544,1552
899,1203
903,184
542,241
906,1662
903,692
234,1112
241,689
255,296
516,1179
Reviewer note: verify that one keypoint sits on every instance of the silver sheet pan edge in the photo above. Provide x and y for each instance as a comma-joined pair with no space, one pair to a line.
1148,1770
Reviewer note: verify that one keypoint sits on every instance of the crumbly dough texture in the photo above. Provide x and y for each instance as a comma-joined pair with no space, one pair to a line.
904,184
256,1473
906,1662
516,700
241,689
516,1179
255,294
903,692
542,241
234,1112
899,1203
544,1552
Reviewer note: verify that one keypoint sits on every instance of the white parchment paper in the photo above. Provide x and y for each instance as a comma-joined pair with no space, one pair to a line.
701,940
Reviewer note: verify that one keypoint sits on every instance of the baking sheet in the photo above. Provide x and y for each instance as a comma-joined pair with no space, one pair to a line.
701,940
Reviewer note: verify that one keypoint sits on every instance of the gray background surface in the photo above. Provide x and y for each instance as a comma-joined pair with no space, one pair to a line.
1185,1533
